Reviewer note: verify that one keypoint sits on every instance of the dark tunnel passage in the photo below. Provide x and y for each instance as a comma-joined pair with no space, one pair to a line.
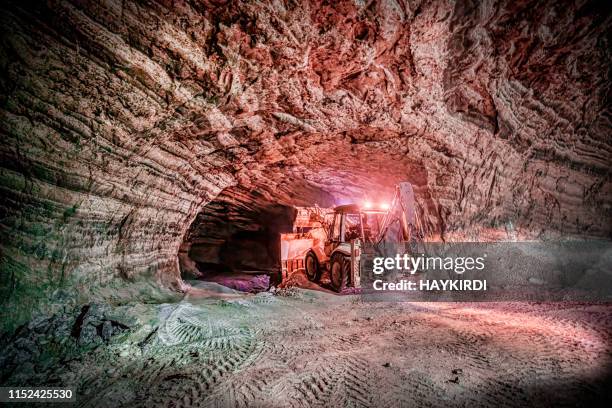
236,237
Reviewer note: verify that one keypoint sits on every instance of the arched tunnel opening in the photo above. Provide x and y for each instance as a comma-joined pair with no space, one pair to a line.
252,239
279,203
235,240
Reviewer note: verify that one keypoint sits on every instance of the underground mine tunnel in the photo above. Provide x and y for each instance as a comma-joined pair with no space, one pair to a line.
237,235
387,203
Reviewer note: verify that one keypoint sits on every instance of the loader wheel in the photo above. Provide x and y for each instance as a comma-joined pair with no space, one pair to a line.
339,271
311,264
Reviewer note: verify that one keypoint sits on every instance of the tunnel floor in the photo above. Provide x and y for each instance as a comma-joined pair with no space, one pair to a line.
296,347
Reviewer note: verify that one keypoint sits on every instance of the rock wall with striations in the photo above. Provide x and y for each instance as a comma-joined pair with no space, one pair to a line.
121,120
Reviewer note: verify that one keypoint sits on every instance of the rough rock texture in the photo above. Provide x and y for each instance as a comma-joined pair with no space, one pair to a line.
121,121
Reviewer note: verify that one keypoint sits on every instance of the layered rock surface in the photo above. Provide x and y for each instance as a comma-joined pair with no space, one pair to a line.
121,121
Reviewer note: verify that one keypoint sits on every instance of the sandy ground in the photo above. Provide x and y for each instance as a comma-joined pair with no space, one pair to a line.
216,347
302,348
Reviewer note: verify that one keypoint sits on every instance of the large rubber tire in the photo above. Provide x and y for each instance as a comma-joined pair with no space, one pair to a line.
311,265
339,271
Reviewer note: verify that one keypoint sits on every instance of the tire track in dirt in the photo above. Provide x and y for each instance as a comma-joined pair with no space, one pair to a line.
190,355
327,381
521,352
296,354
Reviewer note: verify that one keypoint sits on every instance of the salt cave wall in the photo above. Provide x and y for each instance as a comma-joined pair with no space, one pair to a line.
120,121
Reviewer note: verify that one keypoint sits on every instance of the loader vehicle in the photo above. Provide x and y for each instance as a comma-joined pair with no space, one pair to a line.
353,234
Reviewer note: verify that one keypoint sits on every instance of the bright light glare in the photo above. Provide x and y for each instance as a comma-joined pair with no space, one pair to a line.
367,204
384,206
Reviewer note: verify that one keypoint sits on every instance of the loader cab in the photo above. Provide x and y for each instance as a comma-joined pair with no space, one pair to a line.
352,222
346,225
